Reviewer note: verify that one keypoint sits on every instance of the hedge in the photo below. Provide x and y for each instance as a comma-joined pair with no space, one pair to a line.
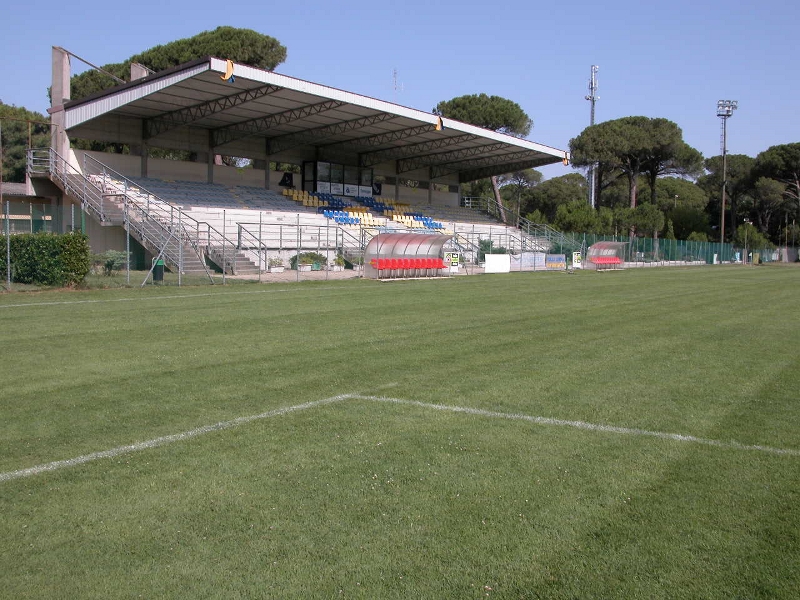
47,258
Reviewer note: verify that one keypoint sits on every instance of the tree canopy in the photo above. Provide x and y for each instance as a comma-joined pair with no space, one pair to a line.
672,159
515,188
672,192
240,45
738,189
636,146
549,195
578,216
769,201
490,112
782,163
14,122
750,238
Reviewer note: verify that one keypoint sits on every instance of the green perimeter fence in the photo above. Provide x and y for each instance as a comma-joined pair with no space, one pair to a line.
650,250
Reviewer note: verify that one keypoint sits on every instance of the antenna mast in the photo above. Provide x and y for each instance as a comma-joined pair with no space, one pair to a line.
593,98
397,86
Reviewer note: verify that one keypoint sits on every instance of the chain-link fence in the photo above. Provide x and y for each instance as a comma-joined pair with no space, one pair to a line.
640,250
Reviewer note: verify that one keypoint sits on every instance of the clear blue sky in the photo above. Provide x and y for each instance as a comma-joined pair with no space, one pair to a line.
671,60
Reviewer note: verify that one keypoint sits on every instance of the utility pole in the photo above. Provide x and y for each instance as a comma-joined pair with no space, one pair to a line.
725,110
593,98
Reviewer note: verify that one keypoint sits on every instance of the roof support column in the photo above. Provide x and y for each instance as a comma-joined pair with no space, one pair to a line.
141,150
267,183
145,150
430,187
210,172
59,94
397,181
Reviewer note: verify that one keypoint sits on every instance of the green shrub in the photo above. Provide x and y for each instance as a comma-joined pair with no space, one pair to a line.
697,236
110,261
487,247
47,258
307,258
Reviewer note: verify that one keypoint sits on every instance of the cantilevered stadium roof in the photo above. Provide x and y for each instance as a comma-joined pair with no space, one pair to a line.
260,114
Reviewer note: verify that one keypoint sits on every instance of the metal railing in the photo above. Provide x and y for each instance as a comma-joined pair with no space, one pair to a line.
160,226
46,161
536,237
258,240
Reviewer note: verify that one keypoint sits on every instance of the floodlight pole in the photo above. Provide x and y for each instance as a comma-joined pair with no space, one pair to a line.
725,110
744,258
593,98
8,223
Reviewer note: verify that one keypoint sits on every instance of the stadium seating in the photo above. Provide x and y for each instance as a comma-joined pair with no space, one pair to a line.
252,211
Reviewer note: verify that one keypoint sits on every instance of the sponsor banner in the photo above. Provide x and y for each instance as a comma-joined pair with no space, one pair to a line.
365,190
576,260
497,263
452,258
555,262
350,189
337,188
527,260
323,187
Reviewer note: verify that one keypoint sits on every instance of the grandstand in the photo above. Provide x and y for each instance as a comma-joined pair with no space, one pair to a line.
361,167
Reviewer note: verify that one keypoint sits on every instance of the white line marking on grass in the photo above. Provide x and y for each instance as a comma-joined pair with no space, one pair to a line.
167,439
584,425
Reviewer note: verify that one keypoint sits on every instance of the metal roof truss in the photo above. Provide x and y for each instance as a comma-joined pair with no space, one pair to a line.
191,114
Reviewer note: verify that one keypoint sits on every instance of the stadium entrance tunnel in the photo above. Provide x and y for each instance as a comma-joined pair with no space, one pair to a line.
402,255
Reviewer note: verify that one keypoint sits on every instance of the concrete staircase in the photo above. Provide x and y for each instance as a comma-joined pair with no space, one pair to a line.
236,263
161,228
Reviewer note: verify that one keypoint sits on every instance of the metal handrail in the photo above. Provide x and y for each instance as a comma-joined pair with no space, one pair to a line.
153,220
199,234
530,233
92,199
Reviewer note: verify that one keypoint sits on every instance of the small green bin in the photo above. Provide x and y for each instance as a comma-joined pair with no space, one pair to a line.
158,271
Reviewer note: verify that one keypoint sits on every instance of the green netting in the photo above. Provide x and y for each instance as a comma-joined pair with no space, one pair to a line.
657,250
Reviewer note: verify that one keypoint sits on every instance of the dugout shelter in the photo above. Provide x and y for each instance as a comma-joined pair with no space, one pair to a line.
606,255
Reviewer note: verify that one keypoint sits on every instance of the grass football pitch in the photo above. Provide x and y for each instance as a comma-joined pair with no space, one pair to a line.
629,434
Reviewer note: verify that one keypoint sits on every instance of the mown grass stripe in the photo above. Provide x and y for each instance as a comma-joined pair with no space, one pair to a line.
145,298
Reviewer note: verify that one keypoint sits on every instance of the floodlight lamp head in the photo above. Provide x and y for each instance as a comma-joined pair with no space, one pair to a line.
725,108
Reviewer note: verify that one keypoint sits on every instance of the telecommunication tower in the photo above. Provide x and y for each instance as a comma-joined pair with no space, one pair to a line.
593,98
